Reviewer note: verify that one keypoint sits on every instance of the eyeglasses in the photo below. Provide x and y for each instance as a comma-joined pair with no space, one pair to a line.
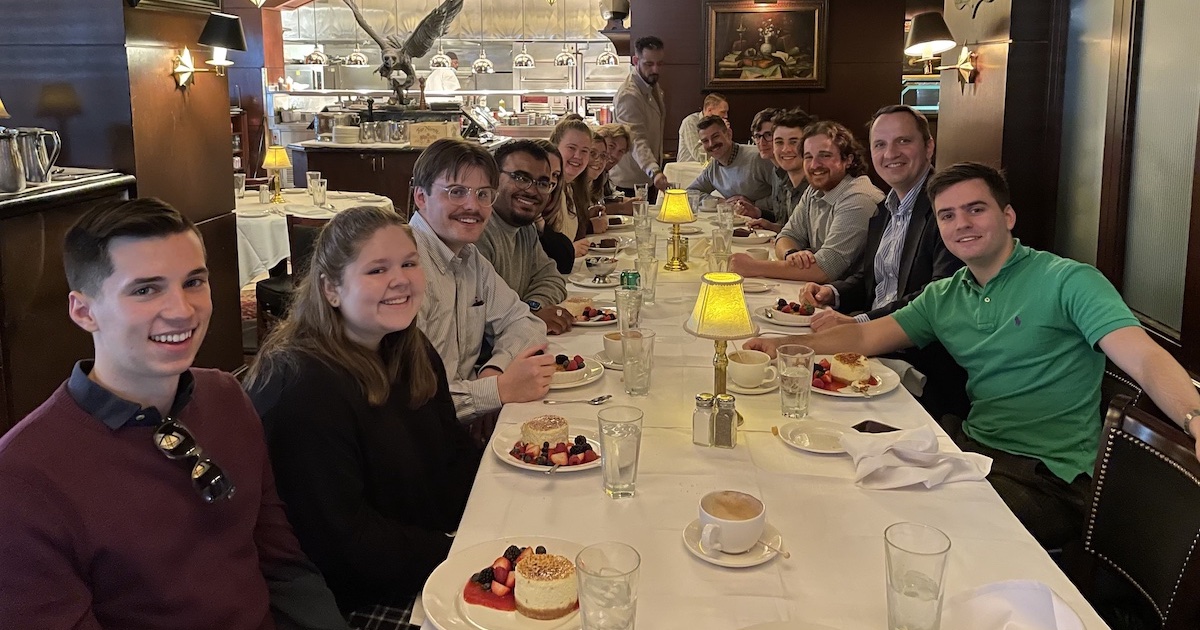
524,181
765,135
177,443
458,193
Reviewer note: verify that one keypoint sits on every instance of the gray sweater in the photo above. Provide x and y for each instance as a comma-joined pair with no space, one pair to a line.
747,174
518,257
833,225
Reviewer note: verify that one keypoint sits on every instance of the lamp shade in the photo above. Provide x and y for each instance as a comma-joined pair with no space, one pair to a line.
675,208
720,311
928,35
223,31
277,157
3,112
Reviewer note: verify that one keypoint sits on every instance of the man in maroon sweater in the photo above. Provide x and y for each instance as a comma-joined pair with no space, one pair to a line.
139,495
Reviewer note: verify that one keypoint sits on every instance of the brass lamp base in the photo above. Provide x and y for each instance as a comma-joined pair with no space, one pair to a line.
276,187
721,372
676,263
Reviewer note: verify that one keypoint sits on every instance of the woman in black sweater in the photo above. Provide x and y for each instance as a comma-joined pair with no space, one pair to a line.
368,455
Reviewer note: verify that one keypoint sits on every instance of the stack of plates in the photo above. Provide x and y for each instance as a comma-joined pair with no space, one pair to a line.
345,134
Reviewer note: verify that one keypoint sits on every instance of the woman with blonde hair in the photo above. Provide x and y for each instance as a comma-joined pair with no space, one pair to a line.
369,457
573,138
556,245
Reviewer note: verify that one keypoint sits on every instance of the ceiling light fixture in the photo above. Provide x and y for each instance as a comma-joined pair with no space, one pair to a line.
564,58
523,60
482,65
608,58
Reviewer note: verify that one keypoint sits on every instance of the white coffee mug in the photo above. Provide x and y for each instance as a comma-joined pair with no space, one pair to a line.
759,253
751,368
730,522
612,347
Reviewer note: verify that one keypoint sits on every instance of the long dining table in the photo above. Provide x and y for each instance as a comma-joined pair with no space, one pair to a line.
833,528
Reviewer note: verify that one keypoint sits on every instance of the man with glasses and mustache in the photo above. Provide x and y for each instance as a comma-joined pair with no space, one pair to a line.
735,170
140,495
454,188
510,240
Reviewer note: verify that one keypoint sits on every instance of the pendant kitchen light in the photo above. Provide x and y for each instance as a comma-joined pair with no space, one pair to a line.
440,60
523,59
608,58
564,58
482,65
317,57
358,58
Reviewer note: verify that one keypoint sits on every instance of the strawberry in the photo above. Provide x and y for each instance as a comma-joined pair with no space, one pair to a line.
575,460
500,574
533,449
512,579
559,458
827,377
559,448
578,359
500,589
817,382
824,363
502,563
527,551
590,456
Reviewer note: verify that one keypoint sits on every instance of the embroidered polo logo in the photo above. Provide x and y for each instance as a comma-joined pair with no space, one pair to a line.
1017,320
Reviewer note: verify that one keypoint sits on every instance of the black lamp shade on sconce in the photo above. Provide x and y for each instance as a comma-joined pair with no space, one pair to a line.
928,35
223,31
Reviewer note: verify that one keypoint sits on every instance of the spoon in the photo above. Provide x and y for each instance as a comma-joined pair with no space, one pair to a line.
775,549
862,388
599,400
553,469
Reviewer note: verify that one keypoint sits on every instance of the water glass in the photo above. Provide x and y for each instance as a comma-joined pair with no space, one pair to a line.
318,192
637,344
608,574
647,267
239,185
718,261
366,133
916,565
312,177
640,191
641,209
722,242
629,307
795,379
620,442
647,246
694,198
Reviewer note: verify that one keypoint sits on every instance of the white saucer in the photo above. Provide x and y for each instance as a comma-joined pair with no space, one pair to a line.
593,369
689,229
765,388
757,554
251,214
584,279
608,363
755,286
788,625
814,436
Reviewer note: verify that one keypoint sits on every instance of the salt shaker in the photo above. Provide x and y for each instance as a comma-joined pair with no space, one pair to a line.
264,195
702,420
725,422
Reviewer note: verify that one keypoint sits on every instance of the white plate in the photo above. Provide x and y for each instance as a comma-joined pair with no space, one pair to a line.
754,286
757,554
306,210
607,306
757,238
814,436
888,380
622,243
738,219
372,198
442,596
782,319
788,625
341,194
294,191
765,388
593,369
622,222
689,229
608,363
507,435
251,214
584,279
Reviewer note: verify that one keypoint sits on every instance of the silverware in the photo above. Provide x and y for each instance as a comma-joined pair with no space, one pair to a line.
775,549
553,469
767,312
599,400
862,388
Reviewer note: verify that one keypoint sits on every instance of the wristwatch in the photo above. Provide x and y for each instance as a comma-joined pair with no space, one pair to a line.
792,251
534,305
1187,422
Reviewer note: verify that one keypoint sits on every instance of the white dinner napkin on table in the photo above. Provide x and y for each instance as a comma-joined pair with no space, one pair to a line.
898,459
1009,605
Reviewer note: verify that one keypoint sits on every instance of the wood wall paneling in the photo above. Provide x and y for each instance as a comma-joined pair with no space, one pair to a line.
223,345
1190,328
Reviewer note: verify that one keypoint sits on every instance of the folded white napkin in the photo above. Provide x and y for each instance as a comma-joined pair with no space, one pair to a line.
906,458
1010,605
305,211
910,377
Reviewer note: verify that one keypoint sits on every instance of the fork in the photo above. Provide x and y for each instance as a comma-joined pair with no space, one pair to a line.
862,388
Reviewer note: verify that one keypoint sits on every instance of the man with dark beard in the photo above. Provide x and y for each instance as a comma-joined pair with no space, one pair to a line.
639,105
510,240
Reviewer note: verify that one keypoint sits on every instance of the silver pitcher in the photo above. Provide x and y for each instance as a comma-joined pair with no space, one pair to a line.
39,160
12,168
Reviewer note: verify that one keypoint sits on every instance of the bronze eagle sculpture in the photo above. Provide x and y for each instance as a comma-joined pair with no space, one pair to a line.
398,54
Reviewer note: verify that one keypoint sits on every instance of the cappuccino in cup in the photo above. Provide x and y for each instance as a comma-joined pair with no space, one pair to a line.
731,522
612,347
751,368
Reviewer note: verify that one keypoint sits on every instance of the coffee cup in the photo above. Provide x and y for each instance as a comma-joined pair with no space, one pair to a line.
709,204
730,522
612,347
751,368
759,253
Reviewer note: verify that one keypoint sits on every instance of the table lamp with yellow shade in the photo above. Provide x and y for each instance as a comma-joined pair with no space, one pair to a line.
721,314
676,211
275,161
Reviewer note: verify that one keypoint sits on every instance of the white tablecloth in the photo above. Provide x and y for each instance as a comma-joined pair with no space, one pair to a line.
262,240
833,529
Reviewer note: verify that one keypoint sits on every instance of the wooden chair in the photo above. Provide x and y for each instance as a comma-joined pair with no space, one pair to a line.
273,295
1144,519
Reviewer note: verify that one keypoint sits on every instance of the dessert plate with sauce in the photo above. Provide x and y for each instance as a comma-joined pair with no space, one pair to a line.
756,237
595,247
887,377
620,222
507,435
592,370
814,436
770,315
446,608
755,556
600,305
584,279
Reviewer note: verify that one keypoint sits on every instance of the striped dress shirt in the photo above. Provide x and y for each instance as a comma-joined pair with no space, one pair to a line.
891,246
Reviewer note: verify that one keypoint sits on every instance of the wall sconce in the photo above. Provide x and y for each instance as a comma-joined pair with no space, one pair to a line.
928,35
223,32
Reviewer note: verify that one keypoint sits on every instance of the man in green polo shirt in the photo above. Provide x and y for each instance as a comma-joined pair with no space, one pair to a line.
1031,329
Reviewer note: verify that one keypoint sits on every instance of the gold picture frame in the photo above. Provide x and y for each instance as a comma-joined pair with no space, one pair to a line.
753,46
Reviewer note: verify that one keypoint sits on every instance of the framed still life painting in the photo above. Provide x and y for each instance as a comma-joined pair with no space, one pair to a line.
754,46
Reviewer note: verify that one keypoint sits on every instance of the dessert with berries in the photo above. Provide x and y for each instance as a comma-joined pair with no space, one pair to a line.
551,453
589,314
849,367
568,369
545,587
829,375
793,308
547,428
576,304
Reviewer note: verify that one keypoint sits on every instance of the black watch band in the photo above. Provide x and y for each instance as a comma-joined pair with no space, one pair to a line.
534,305
792,251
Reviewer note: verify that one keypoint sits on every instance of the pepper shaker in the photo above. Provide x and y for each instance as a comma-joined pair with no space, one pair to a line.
725,422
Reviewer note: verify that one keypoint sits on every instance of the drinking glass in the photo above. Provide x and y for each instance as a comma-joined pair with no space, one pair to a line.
641,209
694,197
718,261
312,177
239,185
620,442
640,190
318,192
795,379
916,565
637,344
608,575
647,267
722,242
629,307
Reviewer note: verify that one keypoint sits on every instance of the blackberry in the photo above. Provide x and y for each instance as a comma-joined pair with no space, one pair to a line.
512,552
562,359
587,447
541,461
781,303
579,439
486,576
540,549
545,446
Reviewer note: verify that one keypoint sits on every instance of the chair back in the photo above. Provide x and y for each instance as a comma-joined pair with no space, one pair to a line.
1144,521
302,238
